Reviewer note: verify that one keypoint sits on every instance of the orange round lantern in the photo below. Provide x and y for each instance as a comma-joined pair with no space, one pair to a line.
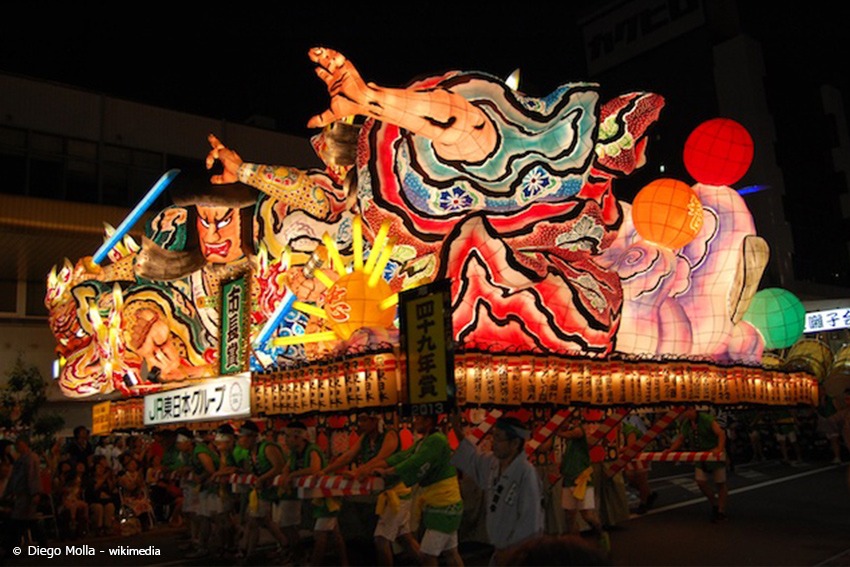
718,152
667,212
352,304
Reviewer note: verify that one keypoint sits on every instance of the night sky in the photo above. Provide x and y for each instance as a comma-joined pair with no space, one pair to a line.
242,61
234,62
235,65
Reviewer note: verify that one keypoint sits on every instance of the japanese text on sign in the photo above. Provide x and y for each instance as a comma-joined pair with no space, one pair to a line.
233,310
426,331
217,399
819,321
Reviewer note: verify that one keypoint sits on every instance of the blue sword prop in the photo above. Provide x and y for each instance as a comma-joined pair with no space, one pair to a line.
134,215
284,307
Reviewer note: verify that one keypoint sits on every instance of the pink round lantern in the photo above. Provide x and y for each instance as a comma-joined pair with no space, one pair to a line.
718,152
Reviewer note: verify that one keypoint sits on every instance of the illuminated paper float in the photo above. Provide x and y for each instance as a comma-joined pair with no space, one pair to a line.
560,293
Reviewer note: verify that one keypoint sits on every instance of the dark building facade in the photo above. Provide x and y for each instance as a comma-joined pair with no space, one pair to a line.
772,71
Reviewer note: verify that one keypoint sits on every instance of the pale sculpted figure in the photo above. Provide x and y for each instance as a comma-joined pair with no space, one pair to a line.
690,301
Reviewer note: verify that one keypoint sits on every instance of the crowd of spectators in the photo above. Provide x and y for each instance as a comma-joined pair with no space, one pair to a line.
81,489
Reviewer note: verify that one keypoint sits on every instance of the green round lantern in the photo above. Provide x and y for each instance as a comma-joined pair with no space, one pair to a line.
778,315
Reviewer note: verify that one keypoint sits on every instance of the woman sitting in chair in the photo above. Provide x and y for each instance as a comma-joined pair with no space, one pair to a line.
101,494
74,502
134,493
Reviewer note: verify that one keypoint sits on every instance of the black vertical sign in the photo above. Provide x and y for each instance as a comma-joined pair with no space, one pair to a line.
425,317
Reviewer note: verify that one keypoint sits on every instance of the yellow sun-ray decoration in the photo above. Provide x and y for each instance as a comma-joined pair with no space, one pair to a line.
360,297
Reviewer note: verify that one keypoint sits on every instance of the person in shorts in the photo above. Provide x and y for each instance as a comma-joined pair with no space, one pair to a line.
307,459
577,493
637,472
374,444
437,500
266,463
701,432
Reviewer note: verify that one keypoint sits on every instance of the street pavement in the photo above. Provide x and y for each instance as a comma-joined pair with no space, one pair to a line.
779,515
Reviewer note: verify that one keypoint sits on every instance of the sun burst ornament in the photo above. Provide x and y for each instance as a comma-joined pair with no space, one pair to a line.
358,298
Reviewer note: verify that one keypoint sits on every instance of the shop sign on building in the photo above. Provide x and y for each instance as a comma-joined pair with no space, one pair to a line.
220,398
426,340
234,319
828,320
614,35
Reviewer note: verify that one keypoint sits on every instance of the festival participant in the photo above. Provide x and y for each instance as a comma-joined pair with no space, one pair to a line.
511,484
163,466
826,409
307,459
427,465
637,472
577,493
840,422
786,431
226,521
702,432
200,463
373,446
205,462
266,463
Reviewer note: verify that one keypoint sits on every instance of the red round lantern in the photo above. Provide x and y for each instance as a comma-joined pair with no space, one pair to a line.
718,152
667,212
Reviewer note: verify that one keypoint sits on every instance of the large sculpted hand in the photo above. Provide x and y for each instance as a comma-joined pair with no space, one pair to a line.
458,129
229,159
349,93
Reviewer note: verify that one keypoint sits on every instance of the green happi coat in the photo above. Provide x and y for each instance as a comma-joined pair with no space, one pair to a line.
428,465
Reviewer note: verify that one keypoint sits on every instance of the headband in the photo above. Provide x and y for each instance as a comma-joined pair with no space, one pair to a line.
514,431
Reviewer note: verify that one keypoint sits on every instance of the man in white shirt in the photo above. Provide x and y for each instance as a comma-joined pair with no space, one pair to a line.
513,490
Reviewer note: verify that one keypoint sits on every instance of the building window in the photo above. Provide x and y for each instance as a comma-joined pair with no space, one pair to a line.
82,181
47,178
9,296
35,299
114,182
14,168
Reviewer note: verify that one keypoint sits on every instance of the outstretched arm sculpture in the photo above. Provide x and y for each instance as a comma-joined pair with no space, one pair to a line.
458,129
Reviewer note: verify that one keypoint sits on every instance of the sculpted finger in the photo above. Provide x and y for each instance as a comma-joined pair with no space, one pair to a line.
337,60
316,54
321,120
326,77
